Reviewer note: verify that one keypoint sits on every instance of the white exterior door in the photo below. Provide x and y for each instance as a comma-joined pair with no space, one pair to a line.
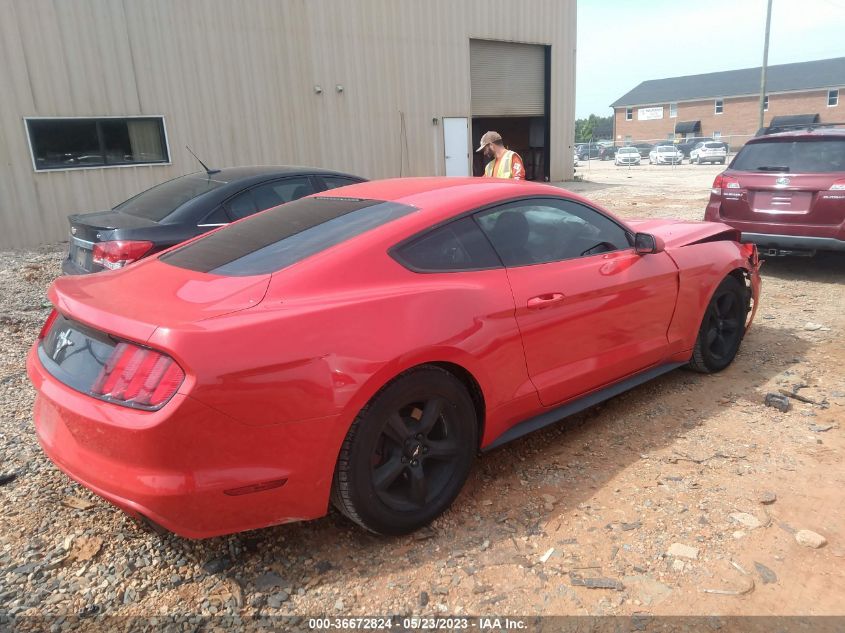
456,145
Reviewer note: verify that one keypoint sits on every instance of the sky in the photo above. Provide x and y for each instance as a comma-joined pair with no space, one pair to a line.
688,37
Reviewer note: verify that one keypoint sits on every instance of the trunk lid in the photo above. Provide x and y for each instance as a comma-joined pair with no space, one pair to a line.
133,302
91,226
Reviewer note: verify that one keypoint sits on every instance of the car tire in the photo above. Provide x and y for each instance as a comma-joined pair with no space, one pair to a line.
408,453
721,162
722,328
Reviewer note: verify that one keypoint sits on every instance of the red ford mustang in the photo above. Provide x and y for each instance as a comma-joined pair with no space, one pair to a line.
362,345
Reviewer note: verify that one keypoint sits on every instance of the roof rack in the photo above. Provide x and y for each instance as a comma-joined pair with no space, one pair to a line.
797,127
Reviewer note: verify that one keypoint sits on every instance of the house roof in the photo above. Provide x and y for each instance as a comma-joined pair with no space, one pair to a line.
823,73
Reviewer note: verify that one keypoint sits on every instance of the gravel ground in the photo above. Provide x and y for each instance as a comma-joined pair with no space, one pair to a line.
685,496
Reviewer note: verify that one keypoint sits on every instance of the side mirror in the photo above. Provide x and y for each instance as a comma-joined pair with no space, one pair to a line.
646,243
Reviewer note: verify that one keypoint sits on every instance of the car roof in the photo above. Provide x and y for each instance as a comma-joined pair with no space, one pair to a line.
231,174
835,133
440,198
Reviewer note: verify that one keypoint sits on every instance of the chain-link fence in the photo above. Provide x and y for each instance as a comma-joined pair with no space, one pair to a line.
606,149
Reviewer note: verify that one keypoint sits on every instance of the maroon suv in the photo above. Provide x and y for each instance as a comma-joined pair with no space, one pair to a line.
785,192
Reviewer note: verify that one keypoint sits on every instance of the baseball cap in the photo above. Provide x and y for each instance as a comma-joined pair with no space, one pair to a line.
489,137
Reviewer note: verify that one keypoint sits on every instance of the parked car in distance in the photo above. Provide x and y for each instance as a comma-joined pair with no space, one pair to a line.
575,162
785,192
587,151
708,152
360,347
607,152
665,155
643,148
627,156
185,207
687,145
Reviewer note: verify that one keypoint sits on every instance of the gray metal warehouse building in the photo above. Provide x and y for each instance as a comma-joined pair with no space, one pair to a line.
100,97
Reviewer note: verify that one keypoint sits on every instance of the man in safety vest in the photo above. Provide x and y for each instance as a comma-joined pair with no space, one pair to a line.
505,163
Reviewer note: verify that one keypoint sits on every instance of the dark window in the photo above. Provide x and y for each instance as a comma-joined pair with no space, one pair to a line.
833,98
719,106
766,103
629,114
270,194
541,231
162,200
459,245
333,182
75,143
284,235
218,216
241,206
810,156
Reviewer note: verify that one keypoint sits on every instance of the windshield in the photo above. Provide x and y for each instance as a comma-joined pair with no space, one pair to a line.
666,148
162,200
628,150
277,238
798,156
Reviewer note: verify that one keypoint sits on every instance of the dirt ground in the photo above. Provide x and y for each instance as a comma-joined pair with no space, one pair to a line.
683,496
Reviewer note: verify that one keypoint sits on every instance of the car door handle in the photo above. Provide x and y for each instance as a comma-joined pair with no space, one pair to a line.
544,301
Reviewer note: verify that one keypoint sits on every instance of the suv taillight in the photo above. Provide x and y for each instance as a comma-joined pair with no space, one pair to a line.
138,376
118,253
724,182
839,185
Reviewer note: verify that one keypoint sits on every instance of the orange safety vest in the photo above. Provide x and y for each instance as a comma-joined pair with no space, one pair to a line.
509,166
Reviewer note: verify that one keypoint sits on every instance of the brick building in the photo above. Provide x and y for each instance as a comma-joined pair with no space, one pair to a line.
725,104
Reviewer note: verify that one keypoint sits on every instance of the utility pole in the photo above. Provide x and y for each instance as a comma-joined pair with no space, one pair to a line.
765,62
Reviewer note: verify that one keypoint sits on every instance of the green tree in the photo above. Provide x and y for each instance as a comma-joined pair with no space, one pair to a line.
593,128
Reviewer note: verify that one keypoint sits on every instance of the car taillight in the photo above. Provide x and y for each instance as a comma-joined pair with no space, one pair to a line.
839,185
137,376
724,182
48,324
118,253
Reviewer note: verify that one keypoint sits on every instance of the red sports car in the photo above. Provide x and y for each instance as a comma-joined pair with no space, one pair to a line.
361,346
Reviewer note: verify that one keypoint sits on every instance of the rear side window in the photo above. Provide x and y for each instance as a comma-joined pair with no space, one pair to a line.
270,194
333,182
279,237
459,245
805,156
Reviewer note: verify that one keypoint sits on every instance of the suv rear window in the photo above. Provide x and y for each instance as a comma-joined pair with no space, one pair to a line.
162,200
276,238
796,156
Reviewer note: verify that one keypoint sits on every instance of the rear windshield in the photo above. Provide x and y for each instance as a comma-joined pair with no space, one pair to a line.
274,239
714,145
798,156
162,200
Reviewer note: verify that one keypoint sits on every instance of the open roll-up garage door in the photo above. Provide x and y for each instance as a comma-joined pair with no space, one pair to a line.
507,79
510,94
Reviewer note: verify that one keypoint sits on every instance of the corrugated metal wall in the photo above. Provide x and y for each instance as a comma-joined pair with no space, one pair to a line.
235,81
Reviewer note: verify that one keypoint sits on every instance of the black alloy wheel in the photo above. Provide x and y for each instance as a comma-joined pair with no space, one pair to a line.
408,453
722,328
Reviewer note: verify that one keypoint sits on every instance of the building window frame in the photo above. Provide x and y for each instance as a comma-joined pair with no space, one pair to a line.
629,114
717,134
673,110
765,103
833,97
160,118
718,106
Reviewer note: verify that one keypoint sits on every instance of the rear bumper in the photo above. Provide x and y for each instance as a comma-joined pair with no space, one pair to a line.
794,242
70,268
186,467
